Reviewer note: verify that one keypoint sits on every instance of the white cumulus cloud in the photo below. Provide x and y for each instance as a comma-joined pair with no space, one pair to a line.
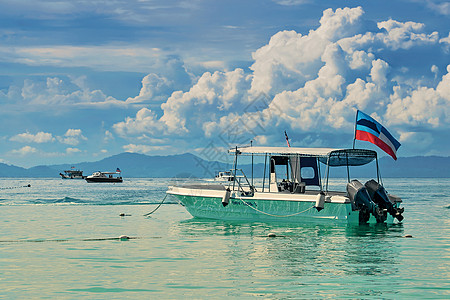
143,148
312,85
158,87
25,150
72,137
40,137
56,93
405,35
72,150
424,106
145,121
213,95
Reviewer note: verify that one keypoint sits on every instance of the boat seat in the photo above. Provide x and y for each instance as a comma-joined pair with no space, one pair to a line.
299,188
294,188
284,185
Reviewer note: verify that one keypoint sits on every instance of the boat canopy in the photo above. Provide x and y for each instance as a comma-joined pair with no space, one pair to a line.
330,156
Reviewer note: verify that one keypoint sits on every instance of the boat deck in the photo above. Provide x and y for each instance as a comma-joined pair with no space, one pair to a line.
221,187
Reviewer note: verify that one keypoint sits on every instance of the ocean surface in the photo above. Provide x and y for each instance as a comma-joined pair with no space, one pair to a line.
59,240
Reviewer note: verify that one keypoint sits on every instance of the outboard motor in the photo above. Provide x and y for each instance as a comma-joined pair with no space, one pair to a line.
359,195
380,197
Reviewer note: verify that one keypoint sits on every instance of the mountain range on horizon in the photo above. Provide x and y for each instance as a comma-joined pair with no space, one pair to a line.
134,165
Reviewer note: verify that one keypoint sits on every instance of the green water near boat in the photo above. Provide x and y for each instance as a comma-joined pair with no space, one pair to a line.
60,240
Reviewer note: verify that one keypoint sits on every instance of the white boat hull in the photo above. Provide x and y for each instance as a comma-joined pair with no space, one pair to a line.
266,207
104,177
97,179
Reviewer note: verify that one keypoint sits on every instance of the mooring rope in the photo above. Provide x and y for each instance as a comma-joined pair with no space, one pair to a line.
14,187
157,206
272,215
120,238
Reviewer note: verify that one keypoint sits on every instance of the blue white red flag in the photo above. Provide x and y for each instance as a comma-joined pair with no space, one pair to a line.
367,129
118,170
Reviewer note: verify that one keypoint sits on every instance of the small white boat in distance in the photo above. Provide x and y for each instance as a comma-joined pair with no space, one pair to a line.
72,174
293,189
224,176
105,177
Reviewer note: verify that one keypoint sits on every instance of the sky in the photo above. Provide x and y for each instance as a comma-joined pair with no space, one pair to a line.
83,80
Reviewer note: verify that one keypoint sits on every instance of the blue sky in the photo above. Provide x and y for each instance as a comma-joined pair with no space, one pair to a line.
83,80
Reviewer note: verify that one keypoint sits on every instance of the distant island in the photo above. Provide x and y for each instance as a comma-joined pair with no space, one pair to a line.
134,165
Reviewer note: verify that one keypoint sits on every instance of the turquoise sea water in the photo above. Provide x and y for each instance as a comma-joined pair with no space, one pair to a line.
55,243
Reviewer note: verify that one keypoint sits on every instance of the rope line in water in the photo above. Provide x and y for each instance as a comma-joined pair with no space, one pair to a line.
157,206
120,238
14,187
272,215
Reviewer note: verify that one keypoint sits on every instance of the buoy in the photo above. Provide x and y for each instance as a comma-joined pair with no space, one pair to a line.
408,236
320,201
123,238
226,197
272,235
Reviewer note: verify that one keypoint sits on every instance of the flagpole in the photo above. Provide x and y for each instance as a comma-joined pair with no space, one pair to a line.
251,145
287,139
354,135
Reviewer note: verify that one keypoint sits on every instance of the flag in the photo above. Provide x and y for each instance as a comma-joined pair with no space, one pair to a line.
287,139
118,170
367,129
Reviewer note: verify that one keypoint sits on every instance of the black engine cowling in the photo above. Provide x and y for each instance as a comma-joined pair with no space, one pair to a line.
379,196
361,197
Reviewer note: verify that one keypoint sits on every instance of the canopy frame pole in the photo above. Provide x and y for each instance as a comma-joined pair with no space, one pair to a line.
251,145
378,172
354,135
328,172
319,175
235,166
264,175
348,168
297,171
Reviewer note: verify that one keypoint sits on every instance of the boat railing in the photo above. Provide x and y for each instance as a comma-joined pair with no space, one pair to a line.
241,182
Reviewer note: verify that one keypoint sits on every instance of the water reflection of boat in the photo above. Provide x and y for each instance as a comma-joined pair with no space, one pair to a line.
105,177
328,250
72,174
295,191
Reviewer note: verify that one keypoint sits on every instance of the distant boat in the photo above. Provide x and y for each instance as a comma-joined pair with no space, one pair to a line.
224,176
72,174
105,176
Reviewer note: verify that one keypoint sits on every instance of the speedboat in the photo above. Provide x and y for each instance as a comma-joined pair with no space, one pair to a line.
224,176
72,174
104,177
294,188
